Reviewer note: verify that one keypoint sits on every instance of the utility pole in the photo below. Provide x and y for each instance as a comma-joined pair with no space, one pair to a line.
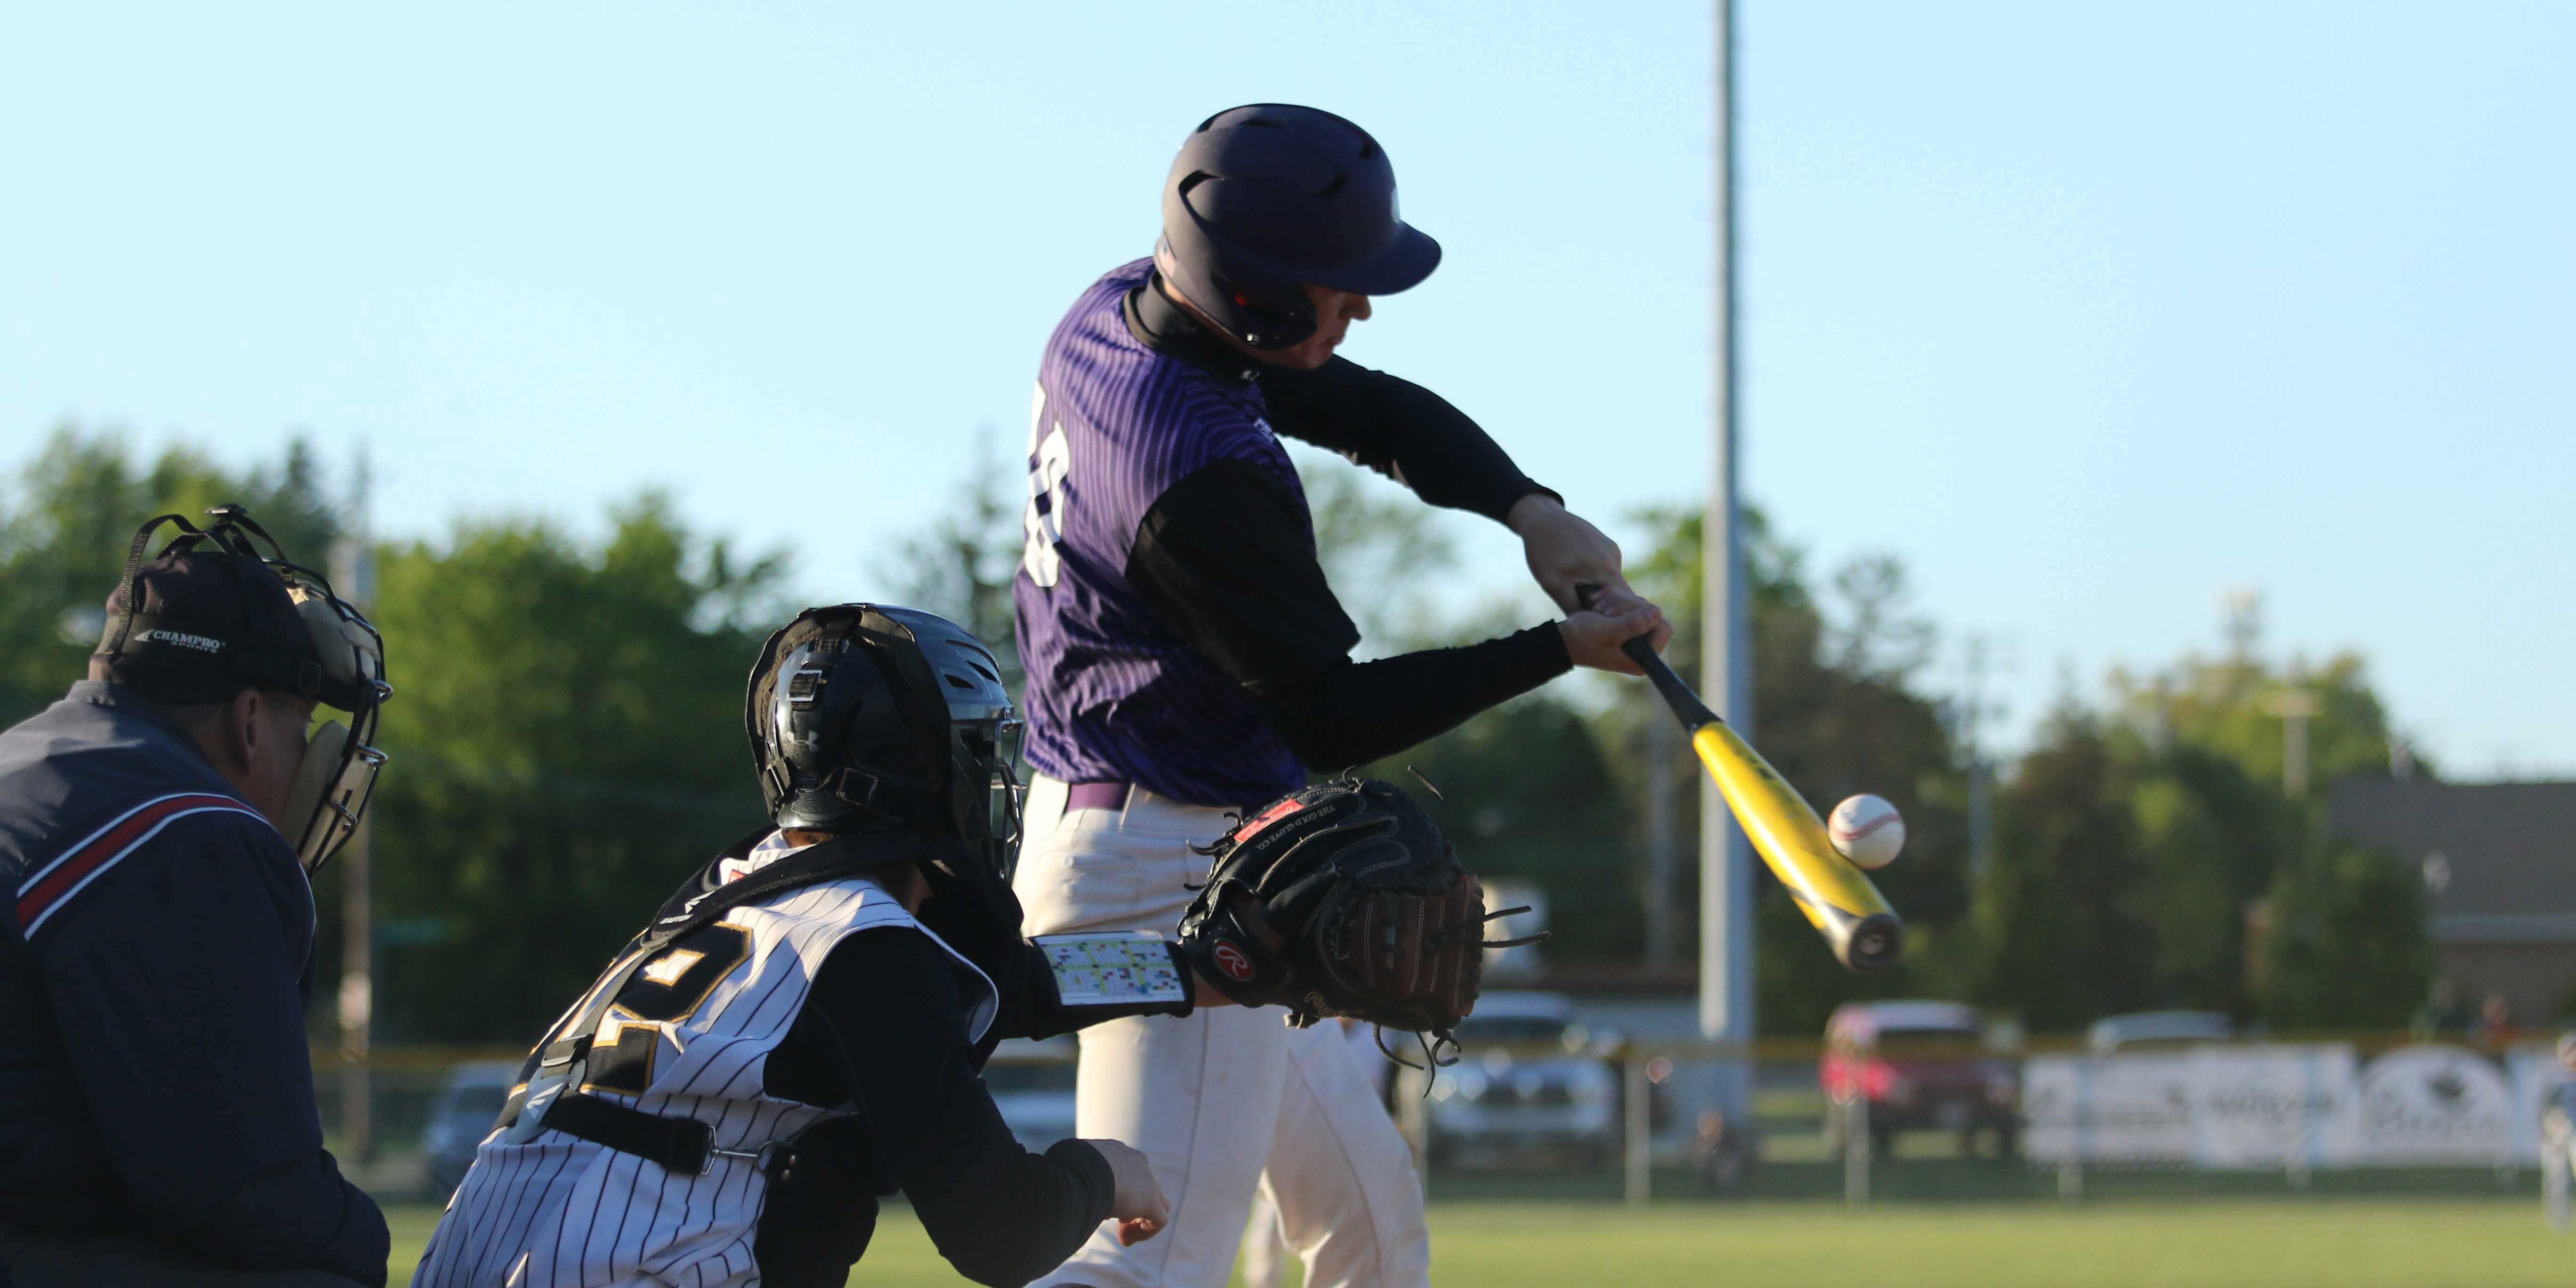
1980,659
1981,805
2294,707
353,575
1726,654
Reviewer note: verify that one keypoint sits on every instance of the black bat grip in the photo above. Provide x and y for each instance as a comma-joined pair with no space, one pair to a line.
1641,650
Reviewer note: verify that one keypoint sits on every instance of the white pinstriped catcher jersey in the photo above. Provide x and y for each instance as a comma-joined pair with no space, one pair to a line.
555,1211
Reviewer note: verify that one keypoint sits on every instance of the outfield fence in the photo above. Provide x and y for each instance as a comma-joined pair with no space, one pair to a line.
2379,1112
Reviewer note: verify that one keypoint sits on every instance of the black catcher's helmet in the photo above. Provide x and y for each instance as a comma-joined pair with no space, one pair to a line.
1265,197
865,717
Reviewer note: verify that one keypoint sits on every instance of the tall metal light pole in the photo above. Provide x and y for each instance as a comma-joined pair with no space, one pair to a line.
1726,652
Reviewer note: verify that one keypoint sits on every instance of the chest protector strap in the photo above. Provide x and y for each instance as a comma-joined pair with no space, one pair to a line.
682,1146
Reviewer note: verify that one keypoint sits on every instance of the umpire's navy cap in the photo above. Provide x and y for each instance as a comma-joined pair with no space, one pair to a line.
206,624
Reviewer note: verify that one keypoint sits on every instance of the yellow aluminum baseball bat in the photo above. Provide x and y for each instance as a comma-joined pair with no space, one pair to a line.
1838,898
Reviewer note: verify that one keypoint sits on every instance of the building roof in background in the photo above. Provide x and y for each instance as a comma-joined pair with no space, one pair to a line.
2498,859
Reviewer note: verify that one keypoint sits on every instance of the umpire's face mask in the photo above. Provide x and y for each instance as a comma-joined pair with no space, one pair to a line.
338,775
340,663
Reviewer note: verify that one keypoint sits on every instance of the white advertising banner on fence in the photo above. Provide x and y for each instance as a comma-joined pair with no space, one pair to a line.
2435,1105
2285,1106
2135,1108
2273,1106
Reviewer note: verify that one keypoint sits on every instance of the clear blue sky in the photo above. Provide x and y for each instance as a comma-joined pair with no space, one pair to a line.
2092,312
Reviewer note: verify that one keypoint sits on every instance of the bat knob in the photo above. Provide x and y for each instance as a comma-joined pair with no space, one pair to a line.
1874,942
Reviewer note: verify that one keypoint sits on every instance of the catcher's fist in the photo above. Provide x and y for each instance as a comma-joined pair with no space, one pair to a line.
1139,1207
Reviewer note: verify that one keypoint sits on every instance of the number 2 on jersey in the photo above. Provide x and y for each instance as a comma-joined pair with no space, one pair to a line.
1049,461
668,989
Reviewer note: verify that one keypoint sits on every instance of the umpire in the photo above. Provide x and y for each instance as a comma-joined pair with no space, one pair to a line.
158,827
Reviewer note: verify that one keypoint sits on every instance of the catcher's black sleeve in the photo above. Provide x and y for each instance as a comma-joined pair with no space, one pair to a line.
1224,559
1034,1010
1399,429
1029,1004
886,1015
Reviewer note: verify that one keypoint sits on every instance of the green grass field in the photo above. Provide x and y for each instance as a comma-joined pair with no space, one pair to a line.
2238,1242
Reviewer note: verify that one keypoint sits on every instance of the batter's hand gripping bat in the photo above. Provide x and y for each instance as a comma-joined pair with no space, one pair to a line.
1837,897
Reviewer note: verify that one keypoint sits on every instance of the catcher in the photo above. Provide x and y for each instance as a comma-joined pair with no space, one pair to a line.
799,1031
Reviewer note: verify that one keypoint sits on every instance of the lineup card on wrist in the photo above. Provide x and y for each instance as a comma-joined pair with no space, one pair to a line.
1118,968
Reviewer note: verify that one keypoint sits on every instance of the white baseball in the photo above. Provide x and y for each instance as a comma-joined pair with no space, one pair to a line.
1867,830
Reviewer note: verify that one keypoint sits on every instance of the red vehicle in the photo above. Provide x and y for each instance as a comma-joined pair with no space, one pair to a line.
1909,1066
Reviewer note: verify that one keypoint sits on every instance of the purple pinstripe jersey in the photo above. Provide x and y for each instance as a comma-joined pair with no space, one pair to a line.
1112,694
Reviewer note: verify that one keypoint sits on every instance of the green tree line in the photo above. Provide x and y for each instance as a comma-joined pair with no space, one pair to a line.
566,744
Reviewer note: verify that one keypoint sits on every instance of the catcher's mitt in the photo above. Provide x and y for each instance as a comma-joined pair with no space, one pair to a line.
1378,919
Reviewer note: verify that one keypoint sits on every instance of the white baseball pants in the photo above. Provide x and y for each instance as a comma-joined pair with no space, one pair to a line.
2557,1166
1225,1103
1264,1259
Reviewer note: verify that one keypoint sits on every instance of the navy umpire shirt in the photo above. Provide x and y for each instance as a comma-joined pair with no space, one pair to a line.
1173,617
154,1074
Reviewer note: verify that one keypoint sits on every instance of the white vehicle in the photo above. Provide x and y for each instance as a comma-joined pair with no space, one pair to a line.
1032,1084
2158,1030
1504,1101
469,1101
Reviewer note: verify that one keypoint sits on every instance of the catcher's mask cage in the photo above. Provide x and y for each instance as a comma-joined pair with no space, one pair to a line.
336,657
864,716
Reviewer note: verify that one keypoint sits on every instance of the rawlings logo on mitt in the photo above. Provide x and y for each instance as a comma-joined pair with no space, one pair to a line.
1343,900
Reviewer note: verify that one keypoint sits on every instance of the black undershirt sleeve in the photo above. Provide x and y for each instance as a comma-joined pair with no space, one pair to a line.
885,1013
1357,712
1226,560
1399,429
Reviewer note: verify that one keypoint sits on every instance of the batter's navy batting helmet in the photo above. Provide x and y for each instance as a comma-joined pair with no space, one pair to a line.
1266,197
